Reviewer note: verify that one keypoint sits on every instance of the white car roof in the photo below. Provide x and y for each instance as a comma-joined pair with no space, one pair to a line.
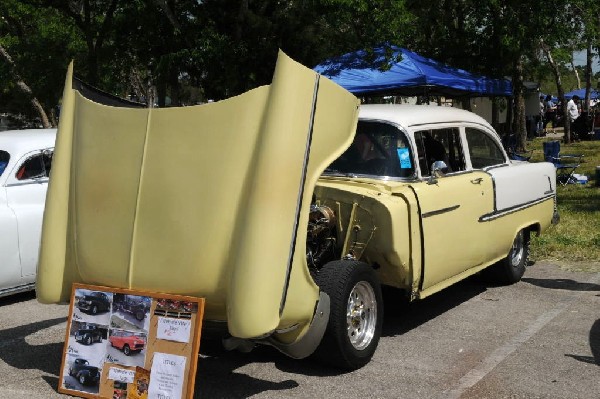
19,142
414,115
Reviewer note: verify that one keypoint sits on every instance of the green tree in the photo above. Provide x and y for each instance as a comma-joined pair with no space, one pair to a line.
232,44
93,19
37,45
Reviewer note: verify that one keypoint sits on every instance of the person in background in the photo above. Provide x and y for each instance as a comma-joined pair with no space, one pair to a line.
573,109
573,115
549,112
541,124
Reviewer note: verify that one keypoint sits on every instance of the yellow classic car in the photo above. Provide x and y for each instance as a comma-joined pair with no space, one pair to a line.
285,208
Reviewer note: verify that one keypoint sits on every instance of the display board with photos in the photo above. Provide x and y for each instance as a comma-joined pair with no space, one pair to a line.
127,344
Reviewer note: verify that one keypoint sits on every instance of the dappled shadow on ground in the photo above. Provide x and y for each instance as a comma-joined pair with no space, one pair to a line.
17,353
562,284
584,200
594,346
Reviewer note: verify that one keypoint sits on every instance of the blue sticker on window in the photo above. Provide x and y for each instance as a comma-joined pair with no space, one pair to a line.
404,156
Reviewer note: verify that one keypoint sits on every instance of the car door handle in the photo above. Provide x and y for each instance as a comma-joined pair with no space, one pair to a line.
477,181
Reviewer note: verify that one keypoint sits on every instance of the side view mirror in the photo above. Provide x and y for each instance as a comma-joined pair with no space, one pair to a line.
437,170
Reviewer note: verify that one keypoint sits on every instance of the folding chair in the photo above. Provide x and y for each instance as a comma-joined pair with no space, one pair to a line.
564,171
510,145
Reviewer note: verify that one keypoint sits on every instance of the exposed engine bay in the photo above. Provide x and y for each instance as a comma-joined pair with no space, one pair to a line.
321,237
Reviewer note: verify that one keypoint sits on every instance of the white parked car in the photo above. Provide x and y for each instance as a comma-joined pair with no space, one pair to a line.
25,160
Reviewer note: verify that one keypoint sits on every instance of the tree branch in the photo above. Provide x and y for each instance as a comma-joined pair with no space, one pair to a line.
24,88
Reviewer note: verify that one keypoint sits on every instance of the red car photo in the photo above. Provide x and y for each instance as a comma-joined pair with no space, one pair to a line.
127,341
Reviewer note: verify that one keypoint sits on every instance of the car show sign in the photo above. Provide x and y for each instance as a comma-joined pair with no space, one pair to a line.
128,344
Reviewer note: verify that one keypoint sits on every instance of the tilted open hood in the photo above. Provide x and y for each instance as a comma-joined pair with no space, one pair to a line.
210,200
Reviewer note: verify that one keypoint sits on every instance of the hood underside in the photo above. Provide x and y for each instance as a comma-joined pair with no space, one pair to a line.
209,200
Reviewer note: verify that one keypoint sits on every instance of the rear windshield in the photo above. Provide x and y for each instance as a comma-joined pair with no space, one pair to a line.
378,149
4,158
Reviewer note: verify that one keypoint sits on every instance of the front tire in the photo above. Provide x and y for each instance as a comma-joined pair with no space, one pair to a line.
356,314
82,379
126,350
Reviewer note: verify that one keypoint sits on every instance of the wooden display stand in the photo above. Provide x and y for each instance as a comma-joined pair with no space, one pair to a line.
127,344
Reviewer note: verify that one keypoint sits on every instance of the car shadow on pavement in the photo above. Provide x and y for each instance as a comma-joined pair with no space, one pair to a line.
220,372
401,316
594,346
16,298
562,284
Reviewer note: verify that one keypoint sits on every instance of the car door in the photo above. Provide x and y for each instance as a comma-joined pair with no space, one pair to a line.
10,270
26,194
514,186
450,206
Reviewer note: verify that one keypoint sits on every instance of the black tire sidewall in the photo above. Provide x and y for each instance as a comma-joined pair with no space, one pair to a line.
503,272
337,279
514,273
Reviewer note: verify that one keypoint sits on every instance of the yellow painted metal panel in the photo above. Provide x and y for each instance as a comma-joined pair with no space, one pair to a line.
209,200
452,234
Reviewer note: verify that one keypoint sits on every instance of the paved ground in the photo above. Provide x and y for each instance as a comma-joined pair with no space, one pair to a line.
539,338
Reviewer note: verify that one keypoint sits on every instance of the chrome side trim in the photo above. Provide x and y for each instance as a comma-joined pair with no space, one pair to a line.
498,214
18,289
440,211
28,182
302,182
501,165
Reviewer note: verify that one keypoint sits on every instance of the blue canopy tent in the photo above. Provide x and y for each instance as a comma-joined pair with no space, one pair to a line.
393,70
595,94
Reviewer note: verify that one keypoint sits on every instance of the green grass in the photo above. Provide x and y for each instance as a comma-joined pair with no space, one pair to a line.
577,236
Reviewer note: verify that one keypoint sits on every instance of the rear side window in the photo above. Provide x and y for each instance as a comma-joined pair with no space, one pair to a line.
378,149
4,158
483,149
36,166
440,145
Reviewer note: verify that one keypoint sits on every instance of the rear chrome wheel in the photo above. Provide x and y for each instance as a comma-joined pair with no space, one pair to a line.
517,252
510,269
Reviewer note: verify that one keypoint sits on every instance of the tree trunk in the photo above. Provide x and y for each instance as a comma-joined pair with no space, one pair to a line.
576,72
561,92
519,117
24,88
588,77
92,76
495,112
510,114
